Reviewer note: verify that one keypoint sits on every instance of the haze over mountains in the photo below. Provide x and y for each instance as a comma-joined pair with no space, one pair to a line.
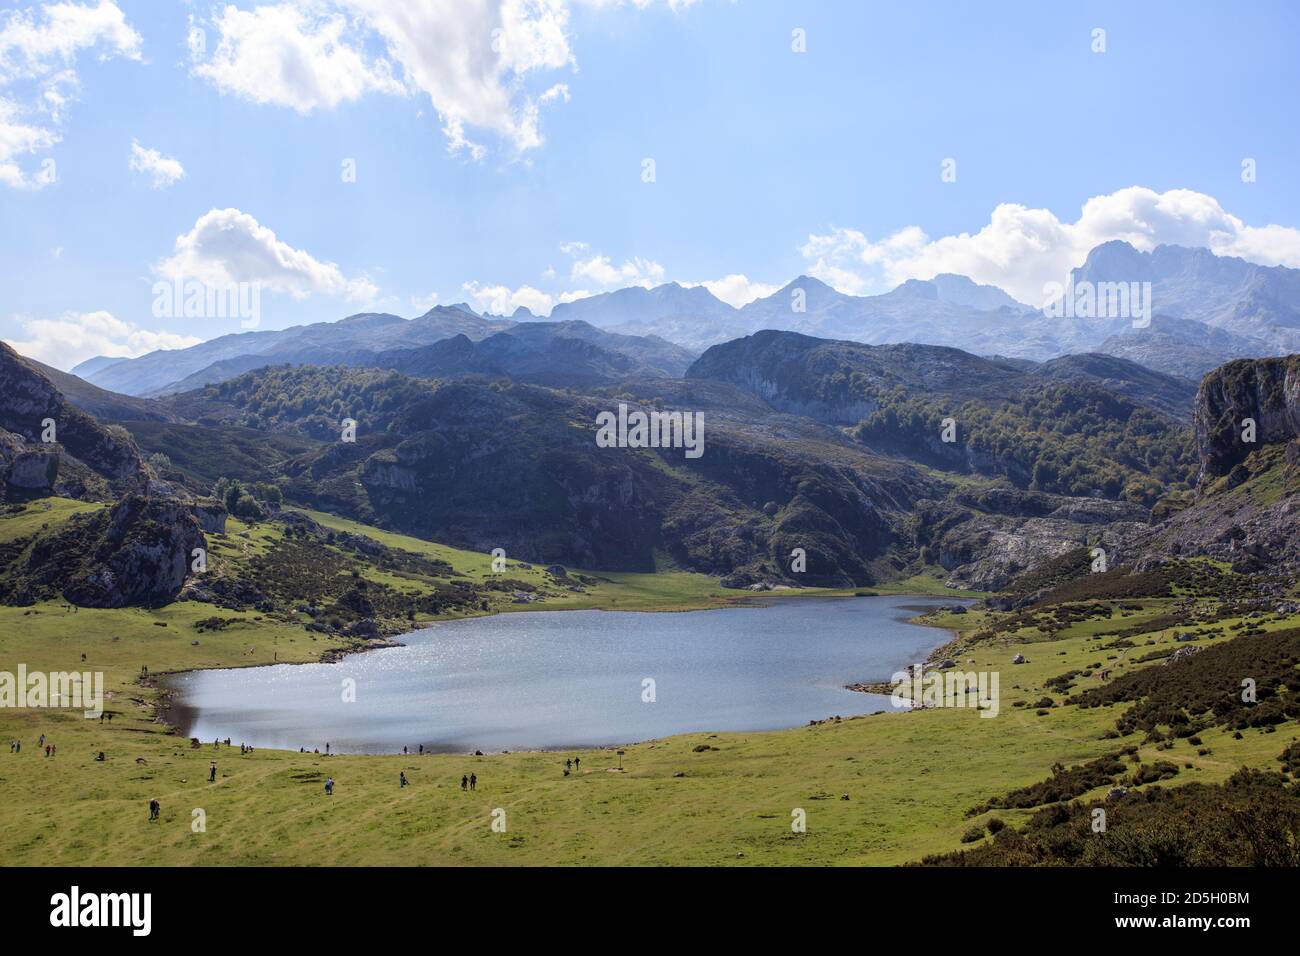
1206,310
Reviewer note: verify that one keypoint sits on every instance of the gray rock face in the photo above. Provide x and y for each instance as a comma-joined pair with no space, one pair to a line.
26,470
1264,390
210,514
985,539
137,552
140,556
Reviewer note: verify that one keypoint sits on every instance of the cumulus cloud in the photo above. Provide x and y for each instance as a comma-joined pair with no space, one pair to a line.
1022,249
591,273
298,55
315,54
163,170
602,271
228,246
502,300
77,336
39,48
736,289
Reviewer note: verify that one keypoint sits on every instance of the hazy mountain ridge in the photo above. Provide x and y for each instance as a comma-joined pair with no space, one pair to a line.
1203,309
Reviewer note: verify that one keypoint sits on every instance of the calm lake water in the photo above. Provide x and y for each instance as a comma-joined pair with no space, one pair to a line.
541,680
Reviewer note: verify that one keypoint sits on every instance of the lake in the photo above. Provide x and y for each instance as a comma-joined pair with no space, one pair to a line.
541,680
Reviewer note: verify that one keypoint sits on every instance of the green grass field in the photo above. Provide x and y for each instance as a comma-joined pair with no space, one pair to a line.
908,778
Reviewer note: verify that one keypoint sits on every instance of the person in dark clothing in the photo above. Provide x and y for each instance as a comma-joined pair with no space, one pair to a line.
403,778
154,809
212,773
473,781
464,781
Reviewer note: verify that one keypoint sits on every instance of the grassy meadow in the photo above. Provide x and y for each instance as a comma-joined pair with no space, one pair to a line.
879,790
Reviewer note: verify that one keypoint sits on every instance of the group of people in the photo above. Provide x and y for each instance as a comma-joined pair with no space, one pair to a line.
16,747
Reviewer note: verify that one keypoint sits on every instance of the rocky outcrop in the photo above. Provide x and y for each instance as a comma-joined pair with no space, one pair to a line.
986,538
211,515
47,424
140,554
1266,391
26,471
137,552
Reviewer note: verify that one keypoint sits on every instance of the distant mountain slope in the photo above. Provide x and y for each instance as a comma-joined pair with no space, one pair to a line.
838,382
1225,292
543,353
1068,429
318,343
1169,394
102,404
559,353
1184,347
1205,309
692,317
85,459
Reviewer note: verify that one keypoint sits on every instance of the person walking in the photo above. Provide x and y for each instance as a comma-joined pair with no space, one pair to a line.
576,761
212,773
403,778
464,781
154,809
329,787
473,781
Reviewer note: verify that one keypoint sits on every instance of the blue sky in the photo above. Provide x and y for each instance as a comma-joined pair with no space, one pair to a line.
506,168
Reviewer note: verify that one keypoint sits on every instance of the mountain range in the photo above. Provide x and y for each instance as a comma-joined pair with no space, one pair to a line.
1207,310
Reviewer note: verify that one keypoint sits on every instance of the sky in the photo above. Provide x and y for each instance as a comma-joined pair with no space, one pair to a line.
345,156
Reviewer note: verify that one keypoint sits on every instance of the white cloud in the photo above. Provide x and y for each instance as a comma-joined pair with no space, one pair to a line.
164,170
1022,249
502,300
601,270
229,246
591,274
316,54
39,47
298,55
736,289
77,336
16,139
